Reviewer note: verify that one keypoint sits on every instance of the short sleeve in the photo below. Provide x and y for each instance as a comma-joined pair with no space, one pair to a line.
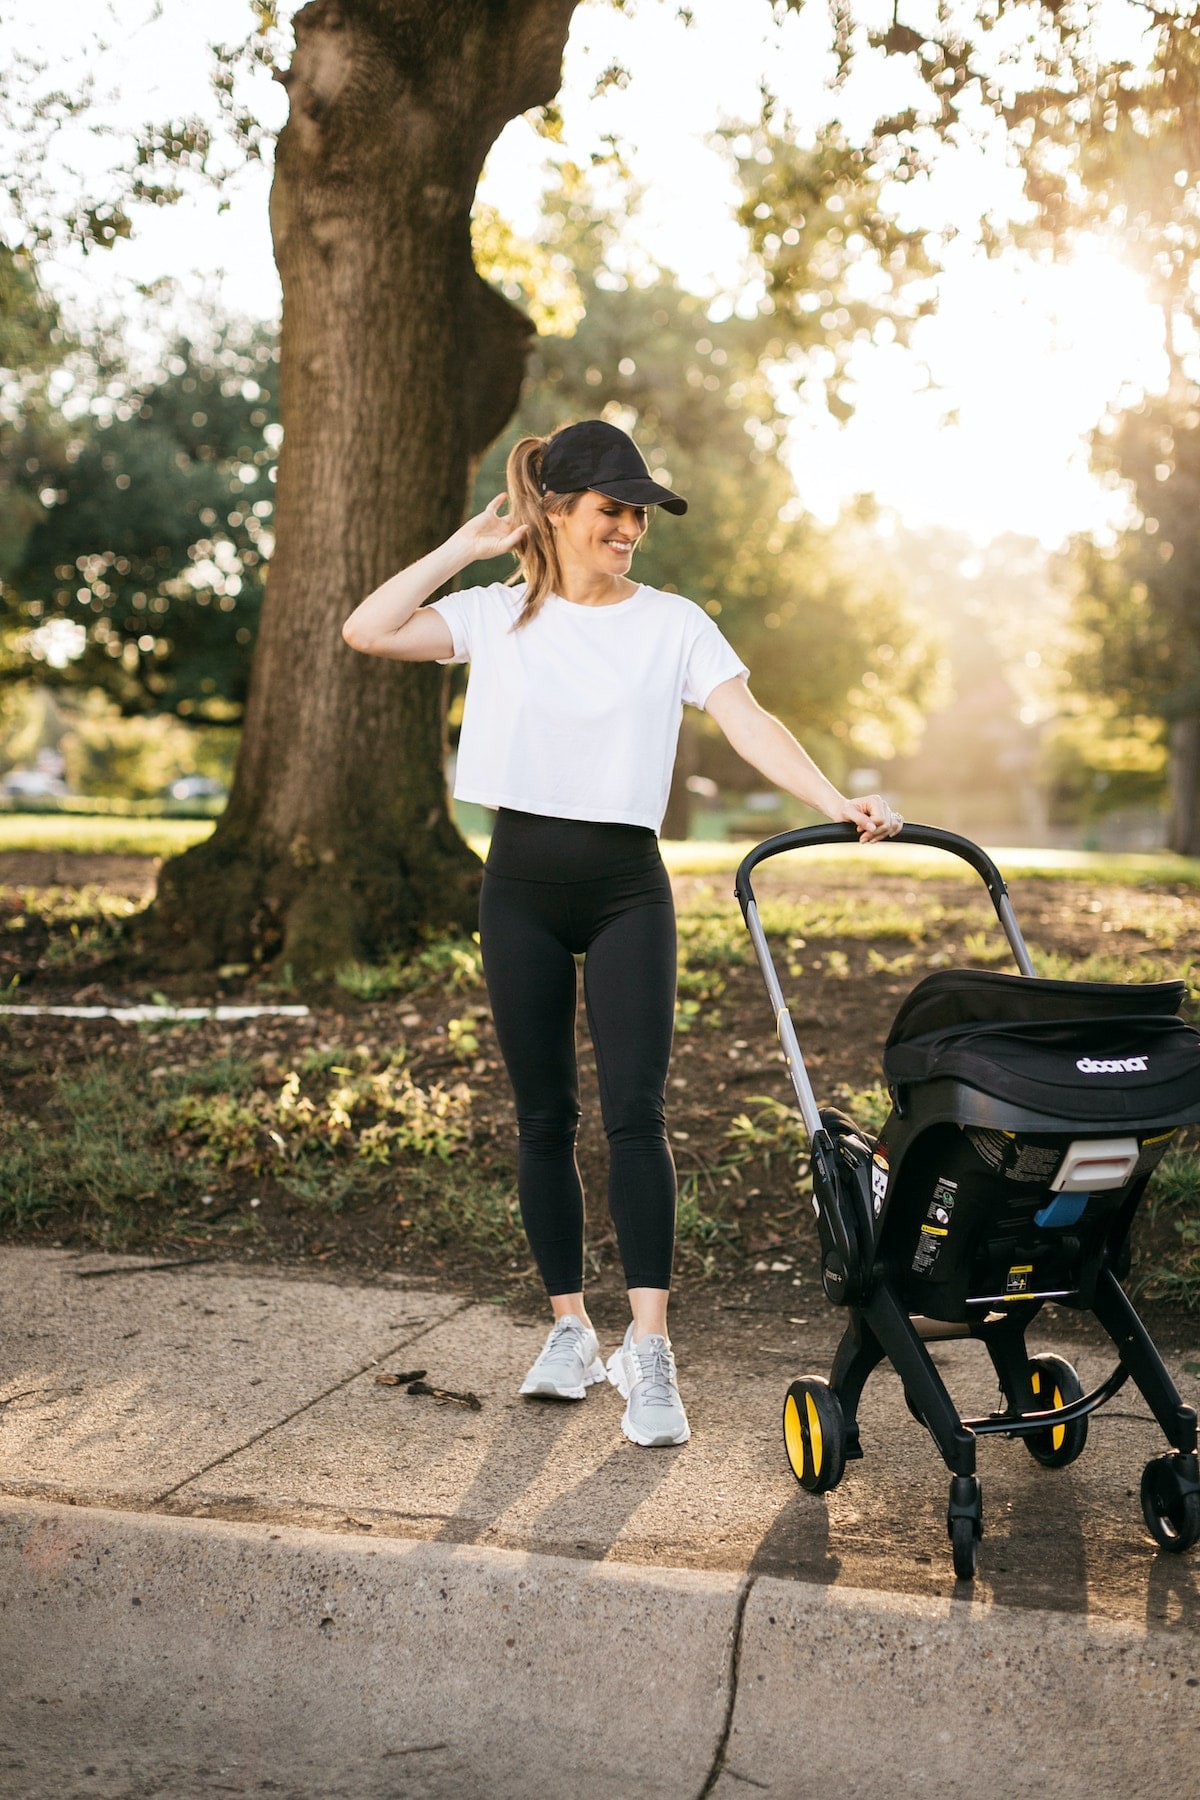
457,611
711,660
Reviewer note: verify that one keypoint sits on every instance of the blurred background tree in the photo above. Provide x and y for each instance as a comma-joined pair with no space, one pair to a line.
1113,151
147,529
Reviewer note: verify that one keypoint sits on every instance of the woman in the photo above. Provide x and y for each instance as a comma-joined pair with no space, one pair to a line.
578,675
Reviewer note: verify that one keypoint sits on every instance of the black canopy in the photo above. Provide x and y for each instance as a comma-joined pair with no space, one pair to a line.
1101,1053
982,997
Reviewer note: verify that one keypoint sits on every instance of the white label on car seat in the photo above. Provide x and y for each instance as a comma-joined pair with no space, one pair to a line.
1114,1065
879,1182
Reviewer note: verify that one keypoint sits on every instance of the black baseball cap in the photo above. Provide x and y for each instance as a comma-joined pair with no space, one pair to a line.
597,455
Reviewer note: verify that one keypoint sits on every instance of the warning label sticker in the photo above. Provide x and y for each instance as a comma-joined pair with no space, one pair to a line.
879,1181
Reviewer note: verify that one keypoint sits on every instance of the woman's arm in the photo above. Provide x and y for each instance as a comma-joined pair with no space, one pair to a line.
768,746
389,621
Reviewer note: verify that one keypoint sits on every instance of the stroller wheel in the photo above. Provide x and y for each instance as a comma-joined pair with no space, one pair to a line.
1171,1501
1055,1383
964,1523
814,1434
964,1547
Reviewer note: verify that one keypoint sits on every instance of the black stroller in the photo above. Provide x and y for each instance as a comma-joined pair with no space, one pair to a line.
1027,1116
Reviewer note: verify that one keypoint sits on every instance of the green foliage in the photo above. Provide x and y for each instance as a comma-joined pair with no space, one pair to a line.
819,230
1136,612
138,758
32,344
95,1150
1114,966
352,1109
472,1208
154,533
858,916
452,964
771,1129
867,1106
1175,1194
700,1234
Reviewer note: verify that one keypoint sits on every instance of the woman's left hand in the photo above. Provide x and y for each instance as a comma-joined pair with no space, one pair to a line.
873,816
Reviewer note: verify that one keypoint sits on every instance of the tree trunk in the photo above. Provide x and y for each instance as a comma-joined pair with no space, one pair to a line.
398,367
1185,786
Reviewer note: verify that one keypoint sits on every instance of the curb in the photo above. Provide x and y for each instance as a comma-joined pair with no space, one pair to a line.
151,1655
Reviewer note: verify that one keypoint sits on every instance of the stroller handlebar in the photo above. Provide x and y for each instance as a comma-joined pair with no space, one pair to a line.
930,836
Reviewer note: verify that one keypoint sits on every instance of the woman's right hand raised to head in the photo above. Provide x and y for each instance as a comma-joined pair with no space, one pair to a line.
391,622
487,534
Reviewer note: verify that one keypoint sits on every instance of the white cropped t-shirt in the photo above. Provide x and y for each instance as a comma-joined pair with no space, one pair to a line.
576,715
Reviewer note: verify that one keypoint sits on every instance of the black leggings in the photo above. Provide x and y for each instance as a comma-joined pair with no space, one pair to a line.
554,889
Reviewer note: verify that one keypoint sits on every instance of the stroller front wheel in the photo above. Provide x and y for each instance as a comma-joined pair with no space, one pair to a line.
964,1547
1171,1501
814,1434
964,1524
1055,1383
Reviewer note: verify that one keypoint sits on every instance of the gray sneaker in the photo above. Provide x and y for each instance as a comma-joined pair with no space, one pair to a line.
569,1364
644,1376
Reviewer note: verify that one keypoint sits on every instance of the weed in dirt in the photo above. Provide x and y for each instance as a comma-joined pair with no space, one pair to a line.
452,964
122,1154
867,1106
771,1129
97,1152
859,916
986,947
709,943
81,944
696,992
1175,1193
700,1235
57,905
1114,966
463,1038
471,1206
361,1108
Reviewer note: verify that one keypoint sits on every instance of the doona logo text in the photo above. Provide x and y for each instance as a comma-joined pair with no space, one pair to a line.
1113,1065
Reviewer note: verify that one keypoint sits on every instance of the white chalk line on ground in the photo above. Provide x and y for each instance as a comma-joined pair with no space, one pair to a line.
136,1015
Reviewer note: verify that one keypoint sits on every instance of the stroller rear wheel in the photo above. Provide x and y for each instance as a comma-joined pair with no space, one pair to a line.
1055,1383
814,1434
1171,1501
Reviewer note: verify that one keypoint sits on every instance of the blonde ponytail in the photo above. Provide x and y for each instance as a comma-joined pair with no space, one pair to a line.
536,553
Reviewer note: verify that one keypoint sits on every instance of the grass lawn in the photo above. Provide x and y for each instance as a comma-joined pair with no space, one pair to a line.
87,834
105,836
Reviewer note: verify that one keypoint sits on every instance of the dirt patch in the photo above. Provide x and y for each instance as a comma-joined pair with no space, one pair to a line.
132,877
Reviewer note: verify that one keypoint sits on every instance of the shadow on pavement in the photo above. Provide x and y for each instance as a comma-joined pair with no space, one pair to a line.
589,1517
1172,1591
502,1479
797,1547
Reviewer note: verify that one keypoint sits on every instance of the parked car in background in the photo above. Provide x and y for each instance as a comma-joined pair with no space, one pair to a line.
196,787
31,784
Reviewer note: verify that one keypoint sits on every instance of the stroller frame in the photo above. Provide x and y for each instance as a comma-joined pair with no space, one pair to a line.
821,1419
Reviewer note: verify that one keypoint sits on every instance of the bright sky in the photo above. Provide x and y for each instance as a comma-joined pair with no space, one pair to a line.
983,429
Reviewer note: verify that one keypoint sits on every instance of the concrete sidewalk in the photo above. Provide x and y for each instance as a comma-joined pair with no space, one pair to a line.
233,1561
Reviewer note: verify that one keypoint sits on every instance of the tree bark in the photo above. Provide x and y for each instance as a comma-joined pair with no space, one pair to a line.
399,365
1185,786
